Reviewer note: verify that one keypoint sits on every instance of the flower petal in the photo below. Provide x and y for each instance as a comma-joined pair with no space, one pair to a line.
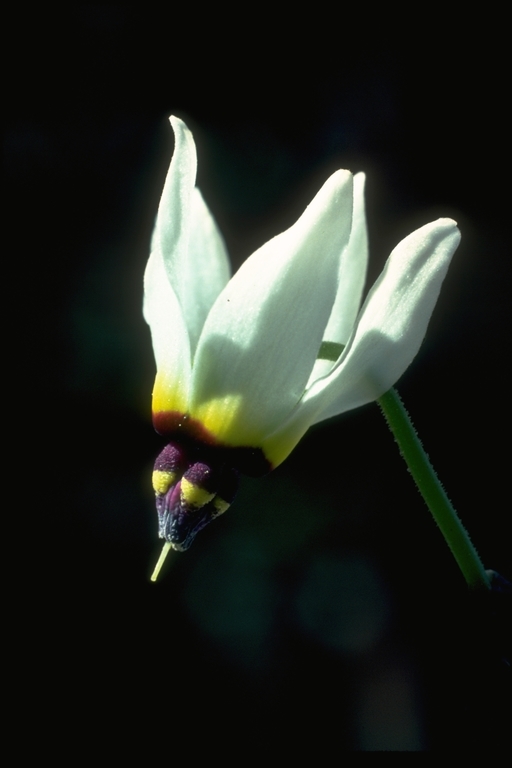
394,319
164,301
188,238
262,335
187,269
353,266
387,336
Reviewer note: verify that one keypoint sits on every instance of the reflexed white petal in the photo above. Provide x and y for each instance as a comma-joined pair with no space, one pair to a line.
262,335
353,266
187,236
187,270
393,320
387,336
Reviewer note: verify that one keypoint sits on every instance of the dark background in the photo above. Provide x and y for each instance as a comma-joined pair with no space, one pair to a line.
325,605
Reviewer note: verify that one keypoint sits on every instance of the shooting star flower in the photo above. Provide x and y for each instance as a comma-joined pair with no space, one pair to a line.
246,365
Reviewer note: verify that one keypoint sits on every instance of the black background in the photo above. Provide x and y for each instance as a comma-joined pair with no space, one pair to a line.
325,605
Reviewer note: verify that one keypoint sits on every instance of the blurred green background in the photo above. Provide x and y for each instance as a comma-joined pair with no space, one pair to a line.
324,607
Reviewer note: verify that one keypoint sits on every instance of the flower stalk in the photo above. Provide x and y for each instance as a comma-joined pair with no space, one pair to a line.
433,493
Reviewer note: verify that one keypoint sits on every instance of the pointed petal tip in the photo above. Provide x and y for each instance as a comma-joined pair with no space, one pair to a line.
447,230
445,224
176,122
339,179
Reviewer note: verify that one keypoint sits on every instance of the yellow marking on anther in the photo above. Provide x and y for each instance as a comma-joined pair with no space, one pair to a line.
165,551
220,505
194,495
162,481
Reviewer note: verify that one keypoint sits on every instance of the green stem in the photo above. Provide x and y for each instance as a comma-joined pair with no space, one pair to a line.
432,491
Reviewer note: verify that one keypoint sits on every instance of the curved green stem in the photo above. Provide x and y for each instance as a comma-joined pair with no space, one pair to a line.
432,491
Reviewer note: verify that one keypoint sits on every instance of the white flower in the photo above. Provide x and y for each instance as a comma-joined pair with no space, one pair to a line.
238,359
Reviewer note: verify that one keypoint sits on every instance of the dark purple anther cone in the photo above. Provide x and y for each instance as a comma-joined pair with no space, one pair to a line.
201,491
173,458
